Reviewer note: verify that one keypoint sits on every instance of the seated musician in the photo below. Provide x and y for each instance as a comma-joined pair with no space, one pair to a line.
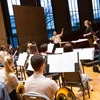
3,53
10,80
68,48
43,48
38,82
32,49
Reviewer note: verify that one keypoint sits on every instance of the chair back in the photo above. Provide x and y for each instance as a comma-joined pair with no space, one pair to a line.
34,96
72,77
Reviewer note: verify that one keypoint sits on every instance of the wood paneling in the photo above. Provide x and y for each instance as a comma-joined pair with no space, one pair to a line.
30,24
3,39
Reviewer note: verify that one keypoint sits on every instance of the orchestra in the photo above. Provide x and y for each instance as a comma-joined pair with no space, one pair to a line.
30,49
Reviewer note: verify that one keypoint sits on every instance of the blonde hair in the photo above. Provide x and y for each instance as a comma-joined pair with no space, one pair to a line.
88,22
8,60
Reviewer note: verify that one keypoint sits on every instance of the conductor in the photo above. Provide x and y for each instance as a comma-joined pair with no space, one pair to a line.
56,39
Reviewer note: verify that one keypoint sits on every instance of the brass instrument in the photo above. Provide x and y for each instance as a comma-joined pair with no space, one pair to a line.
95,38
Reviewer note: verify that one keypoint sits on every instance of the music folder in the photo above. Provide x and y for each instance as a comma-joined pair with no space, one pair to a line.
65,62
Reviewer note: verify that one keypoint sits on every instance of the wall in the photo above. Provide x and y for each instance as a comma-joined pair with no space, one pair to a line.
30,24
3,38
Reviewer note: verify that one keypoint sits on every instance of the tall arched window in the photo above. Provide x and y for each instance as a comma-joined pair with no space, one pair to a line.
13,37
74,14
96,10
46,4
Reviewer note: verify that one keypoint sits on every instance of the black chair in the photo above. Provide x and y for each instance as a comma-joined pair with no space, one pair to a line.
73,79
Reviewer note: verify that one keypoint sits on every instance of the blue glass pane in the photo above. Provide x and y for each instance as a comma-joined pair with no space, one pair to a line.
13,37
46,4
74,14
96,10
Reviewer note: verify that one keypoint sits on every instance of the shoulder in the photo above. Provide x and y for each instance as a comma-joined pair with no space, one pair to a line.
12,75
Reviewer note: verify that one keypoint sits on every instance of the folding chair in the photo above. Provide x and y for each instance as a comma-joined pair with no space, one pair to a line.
34,96
73,79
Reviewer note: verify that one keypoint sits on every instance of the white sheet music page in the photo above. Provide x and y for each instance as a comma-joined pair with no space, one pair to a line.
68,62
21,59
85,53
50,47
59,50
54,62
29,63
62,62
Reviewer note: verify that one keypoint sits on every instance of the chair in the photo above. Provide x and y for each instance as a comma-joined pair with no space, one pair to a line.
73,79
65,93
34,96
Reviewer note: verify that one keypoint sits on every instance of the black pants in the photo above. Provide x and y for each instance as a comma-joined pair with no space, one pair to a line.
13,95
55,46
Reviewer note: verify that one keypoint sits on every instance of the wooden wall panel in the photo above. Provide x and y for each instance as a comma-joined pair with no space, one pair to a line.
3,39
30,24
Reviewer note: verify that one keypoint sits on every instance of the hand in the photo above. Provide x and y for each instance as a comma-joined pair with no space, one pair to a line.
84,35
62,29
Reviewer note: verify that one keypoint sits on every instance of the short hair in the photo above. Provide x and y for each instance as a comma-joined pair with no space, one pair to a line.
3,47
68,47
37,61
43,47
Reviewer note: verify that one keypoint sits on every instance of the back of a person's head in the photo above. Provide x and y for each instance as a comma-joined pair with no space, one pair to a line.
8,60
2,48
37,61
43,47
68,47
33,49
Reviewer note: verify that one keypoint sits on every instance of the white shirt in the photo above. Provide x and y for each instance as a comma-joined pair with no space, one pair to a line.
12,83
41,84
2,75
56,39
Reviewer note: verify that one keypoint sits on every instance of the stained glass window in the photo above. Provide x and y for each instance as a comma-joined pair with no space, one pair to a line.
96,10
74,14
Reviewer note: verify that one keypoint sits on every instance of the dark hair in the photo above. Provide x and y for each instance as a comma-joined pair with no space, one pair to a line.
68,47
37,61
3,47
43,47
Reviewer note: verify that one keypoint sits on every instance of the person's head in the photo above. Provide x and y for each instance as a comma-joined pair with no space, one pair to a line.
87,23
43,47
29,45
54,33
3,48
38,62
8,63
68,47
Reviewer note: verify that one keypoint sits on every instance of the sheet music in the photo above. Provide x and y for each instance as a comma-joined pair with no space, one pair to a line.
85,53
50,47
21,59
62,62
79,40
29,63
59,50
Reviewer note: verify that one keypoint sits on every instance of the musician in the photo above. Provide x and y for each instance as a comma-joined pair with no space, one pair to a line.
3,53
89,32
56,39
9,79
38,82
68,48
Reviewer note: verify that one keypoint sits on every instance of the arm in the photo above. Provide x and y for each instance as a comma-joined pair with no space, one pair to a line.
14,79
80,67
90,31
62,31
